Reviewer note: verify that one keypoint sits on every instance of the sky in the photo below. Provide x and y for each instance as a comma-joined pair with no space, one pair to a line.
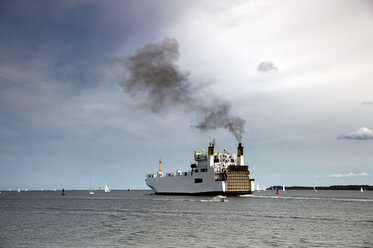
297,74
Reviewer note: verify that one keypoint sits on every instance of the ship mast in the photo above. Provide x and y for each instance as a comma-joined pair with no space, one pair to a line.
160,164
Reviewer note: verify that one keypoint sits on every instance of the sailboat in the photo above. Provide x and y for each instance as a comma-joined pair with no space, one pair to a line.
361,189
90,186
314,188
107,190
283,188
257,187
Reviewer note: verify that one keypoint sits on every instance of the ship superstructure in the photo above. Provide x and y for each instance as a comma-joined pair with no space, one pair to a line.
211,173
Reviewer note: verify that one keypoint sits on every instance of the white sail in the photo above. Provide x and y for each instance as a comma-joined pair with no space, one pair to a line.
314,188
283,188
257,186
90,186
107,190
361,189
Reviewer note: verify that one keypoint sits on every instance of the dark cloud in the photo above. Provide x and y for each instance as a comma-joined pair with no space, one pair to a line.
153,78
153,74
267,66
220,117
362,133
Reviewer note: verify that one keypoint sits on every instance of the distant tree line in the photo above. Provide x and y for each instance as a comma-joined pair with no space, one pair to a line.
333,187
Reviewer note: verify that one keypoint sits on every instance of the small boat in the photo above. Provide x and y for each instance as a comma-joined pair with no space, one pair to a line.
107,190
314,188
219,198
283,188
129,189
63,192
277,192
361,189
18,190
90,186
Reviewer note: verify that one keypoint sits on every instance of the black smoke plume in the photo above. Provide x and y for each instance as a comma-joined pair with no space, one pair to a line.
154,80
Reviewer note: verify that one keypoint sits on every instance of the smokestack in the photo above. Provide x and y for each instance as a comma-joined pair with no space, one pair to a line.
240,149
211,149
240,158
210,153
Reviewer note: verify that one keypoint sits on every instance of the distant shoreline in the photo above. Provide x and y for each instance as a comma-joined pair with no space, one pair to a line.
333,187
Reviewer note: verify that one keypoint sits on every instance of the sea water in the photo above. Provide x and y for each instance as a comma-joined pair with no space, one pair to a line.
141,219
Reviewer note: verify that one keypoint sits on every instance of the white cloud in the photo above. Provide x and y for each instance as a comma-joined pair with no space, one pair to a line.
363,174
360,134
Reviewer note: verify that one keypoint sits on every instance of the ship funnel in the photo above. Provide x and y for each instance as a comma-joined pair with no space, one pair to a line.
240,159
210,153
239,149
211,150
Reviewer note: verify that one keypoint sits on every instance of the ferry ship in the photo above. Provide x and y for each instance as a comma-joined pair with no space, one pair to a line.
213,173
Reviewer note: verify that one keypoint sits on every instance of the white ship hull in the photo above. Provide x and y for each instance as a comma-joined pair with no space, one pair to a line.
181,184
